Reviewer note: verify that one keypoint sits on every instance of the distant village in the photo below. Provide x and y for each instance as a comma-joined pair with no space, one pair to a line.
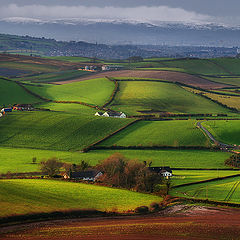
97,68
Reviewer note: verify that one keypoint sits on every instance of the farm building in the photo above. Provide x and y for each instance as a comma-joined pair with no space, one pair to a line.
114,114
164,171
23,107
91,175
111,67
99,114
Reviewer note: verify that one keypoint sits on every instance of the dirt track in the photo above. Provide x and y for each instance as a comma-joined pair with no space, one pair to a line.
165,75
180,222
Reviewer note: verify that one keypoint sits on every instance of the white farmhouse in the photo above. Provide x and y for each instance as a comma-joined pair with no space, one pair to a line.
114,114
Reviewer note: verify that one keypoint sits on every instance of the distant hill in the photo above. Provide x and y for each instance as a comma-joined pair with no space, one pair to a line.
50,47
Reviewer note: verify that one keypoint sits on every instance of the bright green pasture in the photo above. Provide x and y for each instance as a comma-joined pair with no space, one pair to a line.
68,108
197,66
235,81
165,69
231,64
54,77
11,93
71,59
29,66
94,91
20,159
189,176
52,195
159,133
226,131
56,131
216,190
158,96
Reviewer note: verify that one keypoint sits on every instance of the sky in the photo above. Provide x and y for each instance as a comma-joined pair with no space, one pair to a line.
151,11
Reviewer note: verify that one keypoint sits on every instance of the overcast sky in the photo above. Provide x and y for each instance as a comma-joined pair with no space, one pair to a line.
189,11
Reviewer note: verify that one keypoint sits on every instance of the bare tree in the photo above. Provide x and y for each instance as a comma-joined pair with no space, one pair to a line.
51,167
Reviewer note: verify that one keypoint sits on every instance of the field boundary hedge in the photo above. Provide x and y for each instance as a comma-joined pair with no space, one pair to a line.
147,147
114,93
93,145
206,181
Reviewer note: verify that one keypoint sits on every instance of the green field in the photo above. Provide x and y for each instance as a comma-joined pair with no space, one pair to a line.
71,59
217,190
235,81
54,77
189,176
11,93
226,131
56,131
136,96
19,160
197,66
230,64
159,133
94,91
49,195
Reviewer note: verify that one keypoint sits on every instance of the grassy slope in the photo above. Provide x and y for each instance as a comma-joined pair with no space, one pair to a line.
227,80
139,96
54,77
57,131
189,176
216,190
95,91
20,159
226,131
71,59
159,133
11,93
231,64
200,66
58,195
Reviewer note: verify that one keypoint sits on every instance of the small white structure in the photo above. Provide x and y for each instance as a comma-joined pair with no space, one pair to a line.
99,114
0,114
114,114
166,174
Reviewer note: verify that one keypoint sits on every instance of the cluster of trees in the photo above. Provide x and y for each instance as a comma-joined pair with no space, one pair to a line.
233,161
118,171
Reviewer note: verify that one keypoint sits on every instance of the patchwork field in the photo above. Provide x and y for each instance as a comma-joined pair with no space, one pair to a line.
134,97
220,190
56,131
226,131
234,81
60,195
163,75
95,91
19,160
150,133
11,93
230,64
55,76
190,176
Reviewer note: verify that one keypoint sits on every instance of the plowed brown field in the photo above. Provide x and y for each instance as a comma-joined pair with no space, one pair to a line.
194,224
164,75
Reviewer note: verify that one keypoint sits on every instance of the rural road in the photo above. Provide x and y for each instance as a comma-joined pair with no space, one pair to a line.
220,144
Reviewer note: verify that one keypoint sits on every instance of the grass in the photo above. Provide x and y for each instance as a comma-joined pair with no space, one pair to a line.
159,133
226,131
94,91
60,196
11,93
235,81
229,101
54,77
197,66
55,131
231,64
162,97
216,190
71,59
189,176
20,159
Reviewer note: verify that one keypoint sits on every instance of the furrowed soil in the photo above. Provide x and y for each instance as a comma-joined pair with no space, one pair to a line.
164,75
180,222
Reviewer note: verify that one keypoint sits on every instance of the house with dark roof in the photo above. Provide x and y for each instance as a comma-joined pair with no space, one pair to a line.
165,171
99,114
90,175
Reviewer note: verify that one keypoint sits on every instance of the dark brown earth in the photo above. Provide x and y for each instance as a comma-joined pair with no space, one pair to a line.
164,75
177,223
